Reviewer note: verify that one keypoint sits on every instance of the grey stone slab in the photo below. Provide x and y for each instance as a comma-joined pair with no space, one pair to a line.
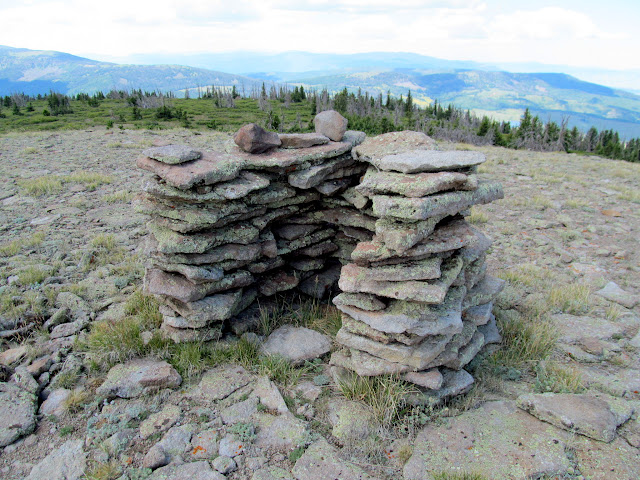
67,462
613,292
374,148
366,365
169,241
214,308
450,236
354,279
497,440
414,185
414,317
209,169
172,154
448,203
321,462
418,161
362,301
416,356
297,343
176,286
18,413
302,140
138,377
585,414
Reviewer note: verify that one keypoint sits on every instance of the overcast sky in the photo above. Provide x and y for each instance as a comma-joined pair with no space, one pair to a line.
593,33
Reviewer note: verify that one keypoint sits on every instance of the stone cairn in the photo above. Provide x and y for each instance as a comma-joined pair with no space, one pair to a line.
382,216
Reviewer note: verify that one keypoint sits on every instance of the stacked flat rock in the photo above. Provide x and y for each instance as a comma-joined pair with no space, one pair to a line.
416,298
229,226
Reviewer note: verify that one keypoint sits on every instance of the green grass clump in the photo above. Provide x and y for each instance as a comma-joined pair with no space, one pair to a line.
104,471
477,217
458,476
33,275
556,378
526,339
50,184
303,313
37,187
386,394
67,379
278,369
105,251
120,196
116,341
90,180
76,401
104,241
572,298
527,275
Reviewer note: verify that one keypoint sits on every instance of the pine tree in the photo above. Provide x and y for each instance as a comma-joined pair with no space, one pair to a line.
409,106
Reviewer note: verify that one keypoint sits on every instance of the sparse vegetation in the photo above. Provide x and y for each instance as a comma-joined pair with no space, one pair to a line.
477,217
40,186
554,377
385,394
458,476
76,400
302,313
104,471
120,196
573,298
526,339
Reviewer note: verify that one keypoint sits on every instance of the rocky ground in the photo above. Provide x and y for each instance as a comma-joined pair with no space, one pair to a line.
565,238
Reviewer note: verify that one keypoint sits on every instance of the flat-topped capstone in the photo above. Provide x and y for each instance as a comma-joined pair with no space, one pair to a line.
417,161
172,154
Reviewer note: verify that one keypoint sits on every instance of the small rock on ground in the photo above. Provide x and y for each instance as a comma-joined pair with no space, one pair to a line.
297,343
138,377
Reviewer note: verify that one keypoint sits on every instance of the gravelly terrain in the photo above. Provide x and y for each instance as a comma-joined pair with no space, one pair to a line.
565,221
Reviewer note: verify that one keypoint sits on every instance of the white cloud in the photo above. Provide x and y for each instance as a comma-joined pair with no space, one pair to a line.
546,24
455,29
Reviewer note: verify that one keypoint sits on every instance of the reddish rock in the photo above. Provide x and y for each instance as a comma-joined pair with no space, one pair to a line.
253,138
302,140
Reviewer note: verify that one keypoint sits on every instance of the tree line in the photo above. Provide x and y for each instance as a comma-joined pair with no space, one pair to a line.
373,114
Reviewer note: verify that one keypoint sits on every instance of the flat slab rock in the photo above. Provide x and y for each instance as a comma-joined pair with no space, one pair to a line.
297,343
497,440
613,292
418,161
209,169
589,415
172,154
138,377
193,471
18,416
302,140
451,236
374,148
448,203
220,382
67,462
321,462
419,185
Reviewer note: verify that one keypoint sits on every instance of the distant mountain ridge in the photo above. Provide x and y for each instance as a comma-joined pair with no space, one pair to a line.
38,71
471,85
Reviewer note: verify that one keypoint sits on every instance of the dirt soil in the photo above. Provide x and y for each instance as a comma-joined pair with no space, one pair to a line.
566,219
